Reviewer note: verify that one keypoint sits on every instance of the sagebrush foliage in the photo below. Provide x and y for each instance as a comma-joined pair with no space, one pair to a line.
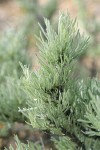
60,103
13,49
54,82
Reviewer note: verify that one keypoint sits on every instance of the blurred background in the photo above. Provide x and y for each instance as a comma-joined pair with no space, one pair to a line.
18,24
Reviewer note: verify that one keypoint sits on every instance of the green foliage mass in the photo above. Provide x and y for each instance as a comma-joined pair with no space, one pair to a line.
59,102
54,82
13,49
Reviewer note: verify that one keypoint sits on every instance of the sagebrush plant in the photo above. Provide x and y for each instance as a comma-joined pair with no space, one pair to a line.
13,49
11,97
65,105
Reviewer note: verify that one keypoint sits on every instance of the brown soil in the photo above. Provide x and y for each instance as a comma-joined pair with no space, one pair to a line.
25,133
